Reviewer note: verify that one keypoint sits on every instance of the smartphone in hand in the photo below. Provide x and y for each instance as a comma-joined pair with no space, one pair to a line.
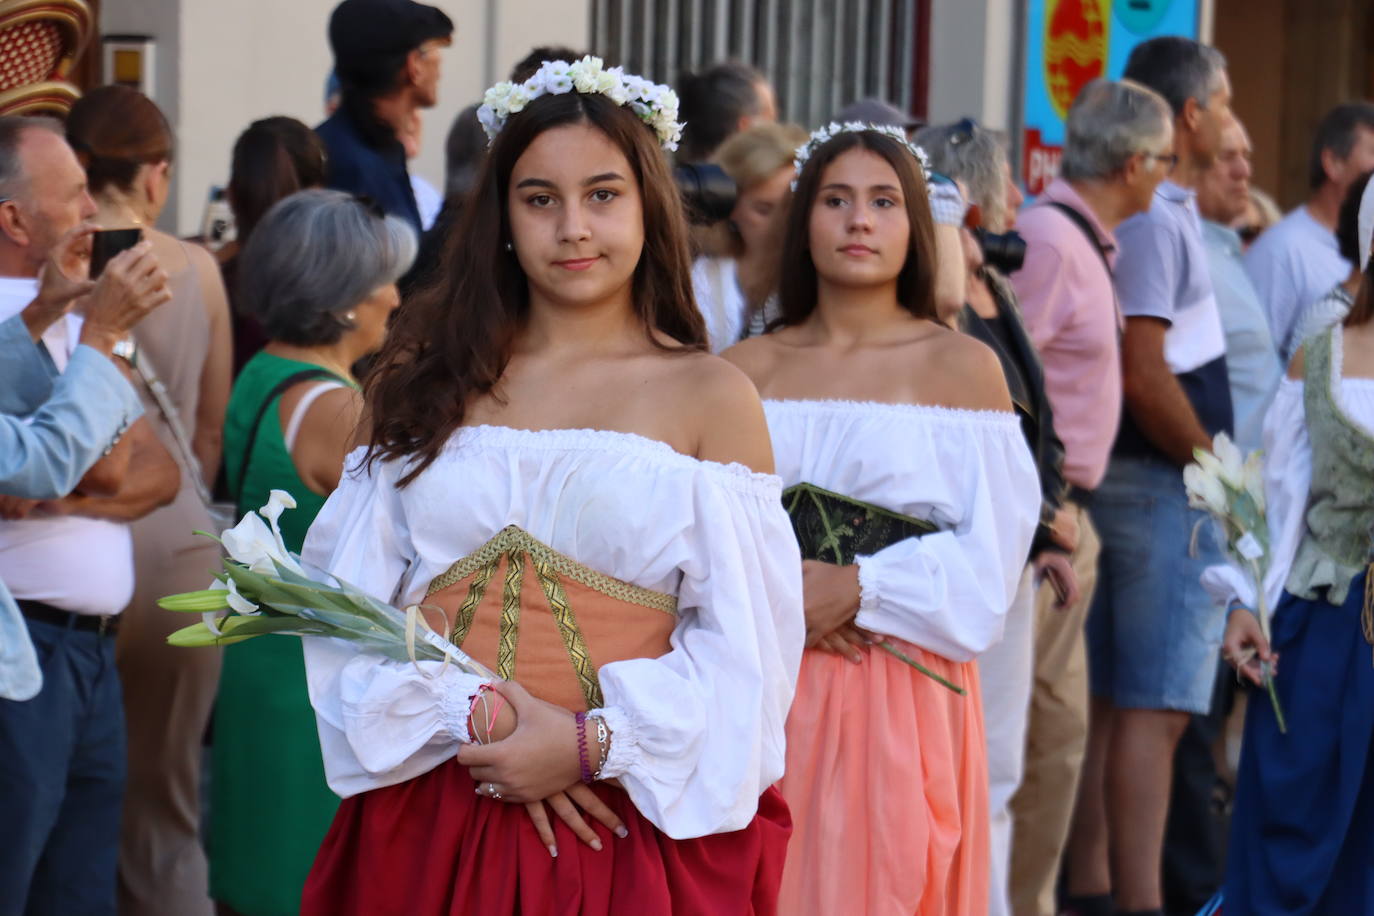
106,243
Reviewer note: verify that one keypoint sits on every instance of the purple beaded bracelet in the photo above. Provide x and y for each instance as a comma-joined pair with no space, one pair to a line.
581,719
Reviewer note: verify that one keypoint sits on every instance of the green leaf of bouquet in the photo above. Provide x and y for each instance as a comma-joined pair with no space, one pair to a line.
207,599
287,574
196,636
259,624
269,590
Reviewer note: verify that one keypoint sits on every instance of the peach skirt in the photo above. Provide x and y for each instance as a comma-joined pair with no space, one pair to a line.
888,786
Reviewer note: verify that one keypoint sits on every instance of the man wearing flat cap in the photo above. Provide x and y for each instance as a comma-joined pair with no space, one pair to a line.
386,56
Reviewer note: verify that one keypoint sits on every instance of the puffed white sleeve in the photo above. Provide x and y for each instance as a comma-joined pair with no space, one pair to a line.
1287,479
380,721
949,591
698,732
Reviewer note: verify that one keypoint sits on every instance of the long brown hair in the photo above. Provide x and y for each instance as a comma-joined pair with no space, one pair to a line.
115,130
273,159
798,285
451,340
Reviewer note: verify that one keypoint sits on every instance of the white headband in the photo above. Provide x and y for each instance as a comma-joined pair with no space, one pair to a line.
832,130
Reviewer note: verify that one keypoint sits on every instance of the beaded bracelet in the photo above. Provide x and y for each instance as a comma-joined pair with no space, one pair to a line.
581,719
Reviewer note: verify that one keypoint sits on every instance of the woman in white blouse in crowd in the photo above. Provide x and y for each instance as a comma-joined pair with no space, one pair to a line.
735,279
545,422
884,410
1302,836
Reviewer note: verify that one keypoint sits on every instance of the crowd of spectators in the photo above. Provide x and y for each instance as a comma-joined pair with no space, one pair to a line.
1146,301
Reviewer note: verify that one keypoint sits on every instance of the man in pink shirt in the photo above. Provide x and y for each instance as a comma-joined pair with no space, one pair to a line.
1117,151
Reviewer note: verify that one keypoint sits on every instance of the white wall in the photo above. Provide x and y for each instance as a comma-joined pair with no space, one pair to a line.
969,33
222,64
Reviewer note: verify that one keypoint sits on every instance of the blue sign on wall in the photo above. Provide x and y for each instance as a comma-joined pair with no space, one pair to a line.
1072,42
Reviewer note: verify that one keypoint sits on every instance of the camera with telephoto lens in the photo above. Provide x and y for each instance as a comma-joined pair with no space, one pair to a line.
707,192
1005,251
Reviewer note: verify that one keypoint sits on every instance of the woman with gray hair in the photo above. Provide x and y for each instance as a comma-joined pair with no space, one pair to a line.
319,273
975,157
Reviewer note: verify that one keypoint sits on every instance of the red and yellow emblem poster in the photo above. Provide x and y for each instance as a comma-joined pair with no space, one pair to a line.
1070,43
1075,48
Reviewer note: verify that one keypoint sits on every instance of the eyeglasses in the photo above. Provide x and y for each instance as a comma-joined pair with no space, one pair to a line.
1170,160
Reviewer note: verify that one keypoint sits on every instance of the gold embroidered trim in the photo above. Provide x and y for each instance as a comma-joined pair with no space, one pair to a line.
513,539
469,607
573,640
510,615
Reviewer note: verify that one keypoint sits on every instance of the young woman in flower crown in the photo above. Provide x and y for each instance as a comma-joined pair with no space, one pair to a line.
915,499
584,499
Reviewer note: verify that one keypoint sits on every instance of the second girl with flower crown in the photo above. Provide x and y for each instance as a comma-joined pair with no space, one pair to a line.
915,499
554,463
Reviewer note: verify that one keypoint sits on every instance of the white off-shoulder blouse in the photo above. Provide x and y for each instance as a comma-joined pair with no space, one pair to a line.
698,733
1287,480
970,473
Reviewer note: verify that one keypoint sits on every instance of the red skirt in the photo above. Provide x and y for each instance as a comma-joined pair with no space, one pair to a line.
432,847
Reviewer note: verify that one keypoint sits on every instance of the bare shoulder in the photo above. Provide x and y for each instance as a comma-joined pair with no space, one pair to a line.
210,277
755,356
726,409
201,259
334,416
966,372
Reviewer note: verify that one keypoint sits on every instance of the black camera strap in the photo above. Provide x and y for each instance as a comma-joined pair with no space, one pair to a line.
1081,221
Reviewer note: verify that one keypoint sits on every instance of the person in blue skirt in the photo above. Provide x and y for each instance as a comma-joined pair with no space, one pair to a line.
1302,836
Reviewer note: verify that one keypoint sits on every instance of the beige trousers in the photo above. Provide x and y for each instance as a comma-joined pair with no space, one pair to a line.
1056,737
168,693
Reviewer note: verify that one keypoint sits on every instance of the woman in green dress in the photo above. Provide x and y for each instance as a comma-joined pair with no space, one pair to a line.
320,275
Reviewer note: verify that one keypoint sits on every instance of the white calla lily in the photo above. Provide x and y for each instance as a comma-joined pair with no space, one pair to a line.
1232,461
255,545
240,604
1208,462
1205,489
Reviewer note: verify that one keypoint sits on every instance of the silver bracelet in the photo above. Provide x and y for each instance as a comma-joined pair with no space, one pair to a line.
603,736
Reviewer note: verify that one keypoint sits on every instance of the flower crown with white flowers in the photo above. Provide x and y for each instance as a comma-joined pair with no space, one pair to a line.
655,104
832,130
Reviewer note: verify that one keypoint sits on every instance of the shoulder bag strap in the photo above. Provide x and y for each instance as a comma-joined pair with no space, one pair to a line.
277,391
138,360
1079,220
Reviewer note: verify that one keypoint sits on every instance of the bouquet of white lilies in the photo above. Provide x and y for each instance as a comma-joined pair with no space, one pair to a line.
1230,488
265,589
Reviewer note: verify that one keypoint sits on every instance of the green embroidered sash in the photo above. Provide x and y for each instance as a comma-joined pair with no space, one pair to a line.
834,528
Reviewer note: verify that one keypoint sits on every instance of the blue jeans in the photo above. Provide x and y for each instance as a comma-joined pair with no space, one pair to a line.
1154,634
62,766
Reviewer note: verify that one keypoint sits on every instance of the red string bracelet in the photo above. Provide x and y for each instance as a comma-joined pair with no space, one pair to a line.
472,714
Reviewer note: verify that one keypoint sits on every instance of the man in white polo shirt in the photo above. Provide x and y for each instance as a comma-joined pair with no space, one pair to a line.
62,752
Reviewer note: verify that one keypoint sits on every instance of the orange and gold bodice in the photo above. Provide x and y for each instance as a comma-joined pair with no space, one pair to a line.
541,618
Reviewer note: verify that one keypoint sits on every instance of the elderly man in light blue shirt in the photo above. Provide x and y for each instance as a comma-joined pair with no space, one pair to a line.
83,413
1252,363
